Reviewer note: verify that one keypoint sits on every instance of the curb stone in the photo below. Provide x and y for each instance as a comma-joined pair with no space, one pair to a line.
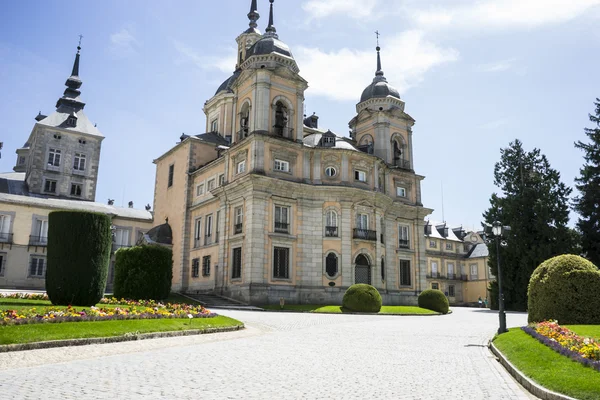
527,383
114,339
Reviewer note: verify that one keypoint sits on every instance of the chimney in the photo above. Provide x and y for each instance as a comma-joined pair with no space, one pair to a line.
312,121
131,204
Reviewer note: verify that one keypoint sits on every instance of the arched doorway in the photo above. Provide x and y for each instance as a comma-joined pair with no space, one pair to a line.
362,270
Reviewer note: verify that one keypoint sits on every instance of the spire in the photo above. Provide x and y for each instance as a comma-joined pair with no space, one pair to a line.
271,31
70,97
253,16
379,72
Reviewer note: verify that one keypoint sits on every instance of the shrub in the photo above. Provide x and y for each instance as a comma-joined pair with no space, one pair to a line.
79,246
565,288
362,298
143,272
434,300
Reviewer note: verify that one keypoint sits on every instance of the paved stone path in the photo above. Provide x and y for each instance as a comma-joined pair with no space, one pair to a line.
280,356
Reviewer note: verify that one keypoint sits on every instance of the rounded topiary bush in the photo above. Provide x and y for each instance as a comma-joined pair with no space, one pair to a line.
434,300
79,244
143,272
565,288
362,298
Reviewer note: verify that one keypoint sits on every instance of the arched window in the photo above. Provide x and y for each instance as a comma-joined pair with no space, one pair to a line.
331,265
382,269
366,144
331,224
244,121
399,150
281,119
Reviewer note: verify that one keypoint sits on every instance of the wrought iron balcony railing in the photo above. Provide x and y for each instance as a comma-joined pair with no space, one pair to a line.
464,278
365,234
6,237
452,276
38,240
331,231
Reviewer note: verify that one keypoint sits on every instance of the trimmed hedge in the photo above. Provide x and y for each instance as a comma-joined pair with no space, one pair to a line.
79,244
565,288
362,298
434,300
143,272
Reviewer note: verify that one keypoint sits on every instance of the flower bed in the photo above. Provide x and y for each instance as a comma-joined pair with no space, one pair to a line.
24,296
567,343
134,311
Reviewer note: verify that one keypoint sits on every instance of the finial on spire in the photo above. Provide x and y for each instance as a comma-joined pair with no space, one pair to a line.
271,31
379,72
253,15
75,71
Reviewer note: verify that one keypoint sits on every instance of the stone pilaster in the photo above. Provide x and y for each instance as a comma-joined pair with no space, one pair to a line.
346,263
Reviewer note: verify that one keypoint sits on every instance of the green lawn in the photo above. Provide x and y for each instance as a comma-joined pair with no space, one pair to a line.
339,309
548,368
592,331
12,334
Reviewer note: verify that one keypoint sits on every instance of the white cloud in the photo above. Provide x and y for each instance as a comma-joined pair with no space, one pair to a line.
123,43
498,66
344,74
501,14
224,64
352,8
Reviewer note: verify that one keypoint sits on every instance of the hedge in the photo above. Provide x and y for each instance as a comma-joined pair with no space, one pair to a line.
143,272
565,288
434,300
362,298
79,245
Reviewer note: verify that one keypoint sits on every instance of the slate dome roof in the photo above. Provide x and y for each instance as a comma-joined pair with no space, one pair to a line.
226,86
379,88
268,45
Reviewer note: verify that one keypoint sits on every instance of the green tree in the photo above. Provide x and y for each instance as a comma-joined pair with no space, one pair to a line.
535,204
588,184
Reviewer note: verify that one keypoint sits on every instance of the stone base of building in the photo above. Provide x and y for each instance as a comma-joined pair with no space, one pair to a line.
271,294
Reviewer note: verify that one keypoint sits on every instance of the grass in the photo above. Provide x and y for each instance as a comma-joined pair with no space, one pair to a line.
340,310
590,331
548,368
12,334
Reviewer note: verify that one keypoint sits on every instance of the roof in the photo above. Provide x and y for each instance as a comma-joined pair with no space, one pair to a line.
61,204
268,45
226,86
314,140
13,183
213,137
435,234
479,250
58,120
380,88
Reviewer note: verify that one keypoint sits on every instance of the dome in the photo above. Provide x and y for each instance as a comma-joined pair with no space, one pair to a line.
226,86
379,89
268,45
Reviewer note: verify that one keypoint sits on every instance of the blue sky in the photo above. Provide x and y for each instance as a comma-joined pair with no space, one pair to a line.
475,74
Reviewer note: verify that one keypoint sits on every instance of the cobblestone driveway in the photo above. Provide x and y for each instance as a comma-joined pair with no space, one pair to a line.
280,356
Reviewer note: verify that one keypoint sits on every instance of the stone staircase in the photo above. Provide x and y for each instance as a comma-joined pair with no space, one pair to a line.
211,300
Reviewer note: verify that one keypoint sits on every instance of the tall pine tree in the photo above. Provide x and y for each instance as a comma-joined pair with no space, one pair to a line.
535,204
588,184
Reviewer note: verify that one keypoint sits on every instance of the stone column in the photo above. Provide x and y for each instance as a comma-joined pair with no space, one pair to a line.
346,262
299,129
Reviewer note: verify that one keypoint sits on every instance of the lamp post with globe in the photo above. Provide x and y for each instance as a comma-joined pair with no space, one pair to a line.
496,232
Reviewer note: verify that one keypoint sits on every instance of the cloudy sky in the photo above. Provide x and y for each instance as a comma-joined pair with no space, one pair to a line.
475,74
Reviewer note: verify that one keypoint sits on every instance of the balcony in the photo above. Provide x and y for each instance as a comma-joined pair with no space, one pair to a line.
282,227
464,278
6,238
400,163
38,240
435,275
452,276
365,234
331,231
403,244
242,134
237,229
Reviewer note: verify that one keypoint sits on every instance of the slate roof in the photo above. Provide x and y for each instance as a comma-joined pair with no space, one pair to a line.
226,86
314,140
268,45
213,137
479,250
13,183
435,234
58,120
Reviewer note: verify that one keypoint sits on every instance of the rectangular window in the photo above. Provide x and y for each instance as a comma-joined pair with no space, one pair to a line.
37,267
210,185
214,126
405,273
360,176
449,246
282,166
171,172
4,228
403,237
221,179
50,186
121,238
432,244
328,140
195,267
400,192
217,226
236,268
200,190
54,157
21,160
435,286
208,230
282,222
434,270
239,220
362,222
76,189
2,263
474,272
79,162
281,259
206,266
451,291
451,272
198,233
40,232
241,167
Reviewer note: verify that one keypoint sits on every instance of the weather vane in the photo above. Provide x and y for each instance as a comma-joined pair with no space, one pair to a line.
80,37
378,34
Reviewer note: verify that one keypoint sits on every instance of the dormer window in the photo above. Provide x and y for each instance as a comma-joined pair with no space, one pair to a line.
328,141
72,121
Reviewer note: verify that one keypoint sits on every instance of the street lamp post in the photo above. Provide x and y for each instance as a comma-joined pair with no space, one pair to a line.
497,232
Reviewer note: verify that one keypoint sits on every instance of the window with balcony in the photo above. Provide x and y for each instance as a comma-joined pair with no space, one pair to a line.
331,265
198,232
206,266
434,270
195,268
331,224
405,273
236,268
79,163
451,271
50,186
281,263
282,166
403,237
362,230
282,219
37,267
5,228
239,220
54,157
39,234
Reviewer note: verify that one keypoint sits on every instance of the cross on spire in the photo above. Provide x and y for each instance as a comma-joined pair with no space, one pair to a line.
378,34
